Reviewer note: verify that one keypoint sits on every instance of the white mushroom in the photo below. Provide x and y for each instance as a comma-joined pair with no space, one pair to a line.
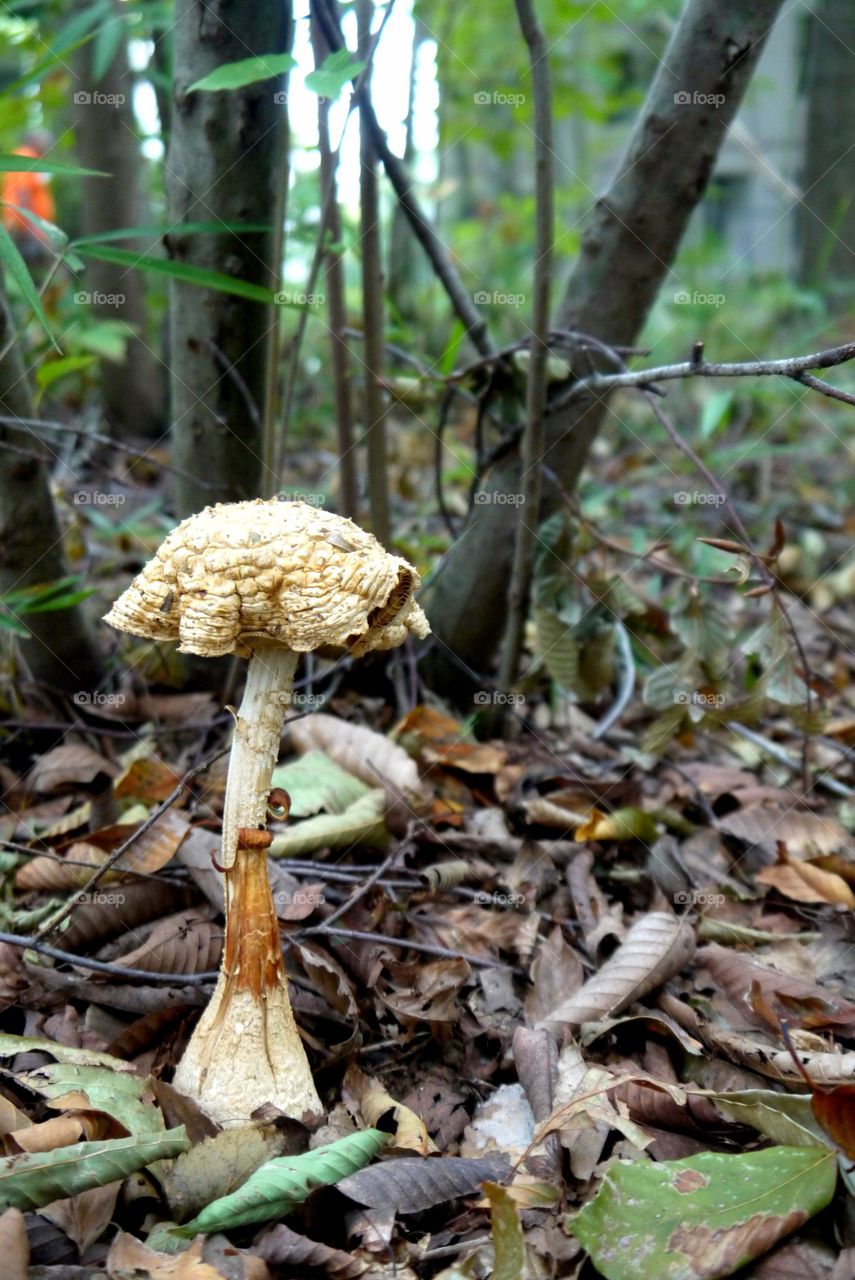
267,580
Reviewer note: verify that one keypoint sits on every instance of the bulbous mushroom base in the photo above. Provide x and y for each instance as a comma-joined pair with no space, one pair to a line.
245,1055
246,1050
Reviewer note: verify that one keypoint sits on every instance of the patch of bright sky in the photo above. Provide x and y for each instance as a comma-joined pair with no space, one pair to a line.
390,91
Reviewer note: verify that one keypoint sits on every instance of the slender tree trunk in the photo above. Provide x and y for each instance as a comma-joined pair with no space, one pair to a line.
631,237
225,163
133,389
60,650
373,309
826,215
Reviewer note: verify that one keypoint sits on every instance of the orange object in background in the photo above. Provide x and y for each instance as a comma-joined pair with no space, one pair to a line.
29,191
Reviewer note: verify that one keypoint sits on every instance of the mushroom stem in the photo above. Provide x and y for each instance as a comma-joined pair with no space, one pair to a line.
255,747
246,1049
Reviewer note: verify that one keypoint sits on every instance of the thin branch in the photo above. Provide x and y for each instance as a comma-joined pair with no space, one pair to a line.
407,944
795,367
103,966
533,445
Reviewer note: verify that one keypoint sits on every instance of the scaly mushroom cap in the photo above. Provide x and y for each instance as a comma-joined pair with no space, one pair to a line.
271,570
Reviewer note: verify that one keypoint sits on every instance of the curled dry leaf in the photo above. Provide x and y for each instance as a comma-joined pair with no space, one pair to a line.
656,947
361,751
183,943
804,1003
148,779
381,1111
98,921
130,1257
803,882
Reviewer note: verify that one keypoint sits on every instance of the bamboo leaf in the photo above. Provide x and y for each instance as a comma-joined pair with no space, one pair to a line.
186,273
237,75
280,1185
30,1181
10,258
38,164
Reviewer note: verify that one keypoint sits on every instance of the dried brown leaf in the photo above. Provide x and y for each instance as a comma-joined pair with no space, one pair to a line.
14,1247
285,1248
655,948
361,751
86,1216
66,765
423,992
805,1003
183,943
410,1185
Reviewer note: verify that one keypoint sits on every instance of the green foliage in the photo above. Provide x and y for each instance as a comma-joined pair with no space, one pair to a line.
280,1185
49,597
336,71
237,75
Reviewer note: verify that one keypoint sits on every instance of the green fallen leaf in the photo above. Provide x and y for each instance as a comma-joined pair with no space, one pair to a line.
237,75
784,1117
361,823
11,1045
317,784
705,1216
117,1095
280,1185
30,1181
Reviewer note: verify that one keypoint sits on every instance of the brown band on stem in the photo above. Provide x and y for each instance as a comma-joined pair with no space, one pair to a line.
253,948
253,838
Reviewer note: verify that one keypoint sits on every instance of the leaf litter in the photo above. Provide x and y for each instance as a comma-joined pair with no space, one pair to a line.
545,985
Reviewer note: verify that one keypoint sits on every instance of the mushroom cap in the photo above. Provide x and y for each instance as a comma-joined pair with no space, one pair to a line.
271,571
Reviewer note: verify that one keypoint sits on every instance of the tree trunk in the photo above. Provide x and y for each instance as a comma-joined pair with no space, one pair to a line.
60,650
226,158
105,131
826,215
632,235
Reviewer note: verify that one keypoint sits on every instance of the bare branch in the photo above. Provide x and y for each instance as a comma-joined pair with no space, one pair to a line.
795,367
